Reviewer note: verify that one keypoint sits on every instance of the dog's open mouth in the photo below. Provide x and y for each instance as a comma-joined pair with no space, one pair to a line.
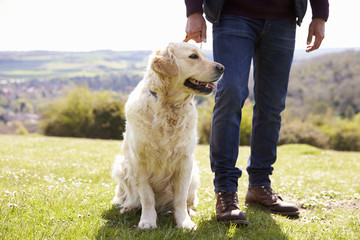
201,87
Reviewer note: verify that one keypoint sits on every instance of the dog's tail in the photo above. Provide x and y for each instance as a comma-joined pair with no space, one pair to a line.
125,191
119,171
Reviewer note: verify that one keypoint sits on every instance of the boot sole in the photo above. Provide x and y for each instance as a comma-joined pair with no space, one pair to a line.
288,214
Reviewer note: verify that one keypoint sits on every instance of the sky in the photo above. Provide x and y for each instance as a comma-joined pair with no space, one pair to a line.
87,25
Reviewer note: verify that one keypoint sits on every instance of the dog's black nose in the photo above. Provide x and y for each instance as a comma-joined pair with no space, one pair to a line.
220,68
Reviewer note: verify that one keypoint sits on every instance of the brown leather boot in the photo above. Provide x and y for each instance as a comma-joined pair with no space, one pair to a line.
227,209
265,197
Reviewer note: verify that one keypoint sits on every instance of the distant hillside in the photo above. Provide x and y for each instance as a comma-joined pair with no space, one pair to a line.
49,65
301,55
328,82
29,80
323,81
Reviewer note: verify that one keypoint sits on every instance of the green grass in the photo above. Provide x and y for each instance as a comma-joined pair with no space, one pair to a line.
61,188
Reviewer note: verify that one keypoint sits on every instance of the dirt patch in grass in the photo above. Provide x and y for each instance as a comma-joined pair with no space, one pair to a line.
345,204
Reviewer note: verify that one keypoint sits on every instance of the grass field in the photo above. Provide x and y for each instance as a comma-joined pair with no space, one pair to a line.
61,188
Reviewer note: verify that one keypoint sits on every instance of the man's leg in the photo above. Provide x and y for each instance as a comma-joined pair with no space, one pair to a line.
234,41
233,47
272,63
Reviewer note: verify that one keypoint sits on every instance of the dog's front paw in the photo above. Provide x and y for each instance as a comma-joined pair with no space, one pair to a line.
187,224
146,224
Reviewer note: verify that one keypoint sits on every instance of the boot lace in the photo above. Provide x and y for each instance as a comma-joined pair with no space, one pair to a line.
269,191
229,200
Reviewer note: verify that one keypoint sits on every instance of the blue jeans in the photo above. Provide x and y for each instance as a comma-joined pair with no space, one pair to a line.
270,45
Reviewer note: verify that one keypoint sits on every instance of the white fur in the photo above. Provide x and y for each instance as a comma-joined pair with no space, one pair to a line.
157,171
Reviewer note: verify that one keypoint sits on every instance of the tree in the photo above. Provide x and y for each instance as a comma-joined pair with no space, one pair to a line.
83,113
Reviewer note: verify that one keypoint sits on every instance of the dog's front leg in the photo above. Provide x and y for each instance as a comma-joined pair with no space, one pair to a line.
181,186
147,199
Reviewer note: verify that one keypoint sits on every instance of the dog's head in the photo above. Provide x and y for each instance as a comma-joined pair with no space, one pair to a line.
184,68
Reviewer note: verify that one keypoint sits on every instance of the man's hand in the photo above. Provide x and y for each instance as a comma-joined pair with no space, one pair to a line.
317,30
195,28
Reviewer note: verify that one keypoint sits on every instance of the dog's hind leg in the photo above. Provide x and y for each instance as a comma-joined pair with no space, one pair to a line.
126,195
119,197
119,173
127,201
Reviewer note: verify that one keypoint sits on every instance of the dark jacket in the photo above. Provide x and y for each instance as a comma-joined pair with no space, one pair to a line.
300,10
212,9
320,8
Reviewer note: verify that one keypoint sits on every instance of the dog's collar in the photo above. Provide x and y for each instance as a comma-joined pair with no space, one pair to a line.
153,93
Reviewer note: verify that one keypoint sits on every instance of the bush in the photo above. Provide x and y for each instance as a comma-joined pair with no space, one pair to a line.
84,114
204,122
297,131
21,129
322,131
345,136
109,121
246,124
348,140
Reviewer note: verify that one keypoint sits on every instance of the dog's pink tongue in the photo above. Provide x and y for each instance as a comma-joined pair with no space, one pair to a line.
212,85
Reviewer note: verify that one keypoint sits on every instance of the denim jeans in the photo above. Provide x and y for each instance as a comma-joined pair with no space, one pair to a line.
269,44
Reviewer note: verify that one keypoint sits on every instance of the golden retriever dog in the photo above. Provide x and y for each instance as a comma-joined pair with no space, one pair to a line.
157,171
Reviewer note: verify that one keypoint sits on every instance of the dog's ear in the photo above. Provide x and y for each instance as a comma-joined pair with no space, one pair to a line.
165,62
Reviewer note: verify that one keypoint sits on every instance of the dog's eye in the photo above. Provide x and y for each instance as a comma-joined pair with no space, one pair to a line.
194,56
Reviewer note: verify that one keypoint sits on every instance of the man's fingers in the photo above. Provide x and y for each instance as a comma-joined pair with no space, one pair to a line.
317,42
311,33
195,28
315,46
310,37
317,31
